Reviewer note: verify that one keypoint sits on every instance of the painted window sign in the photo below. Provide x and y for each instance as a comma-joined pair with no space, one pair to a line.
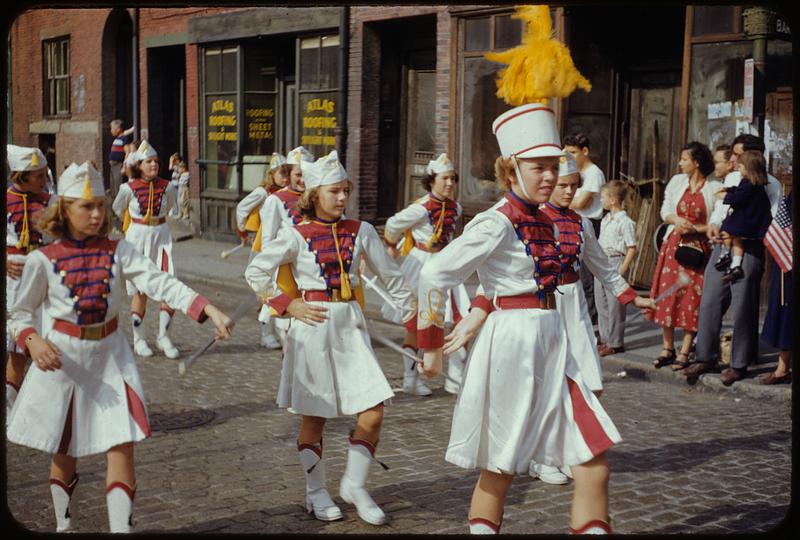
222,120
259,122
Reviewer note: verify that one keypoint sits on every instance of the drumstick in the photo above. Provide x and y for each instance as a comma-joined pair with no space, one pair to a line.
228,252
683,281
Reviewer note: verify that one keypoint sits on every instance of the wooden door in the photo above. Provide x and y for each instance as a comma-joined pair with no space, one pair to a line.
420,131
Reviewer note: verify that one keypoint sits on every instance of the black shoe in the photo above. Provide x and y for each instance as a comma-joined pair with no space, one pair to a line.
733,274
723,262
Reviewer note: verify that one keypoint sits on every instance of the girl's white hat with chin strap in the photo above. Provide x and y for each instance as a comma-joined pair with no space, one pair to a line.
81,182
325,171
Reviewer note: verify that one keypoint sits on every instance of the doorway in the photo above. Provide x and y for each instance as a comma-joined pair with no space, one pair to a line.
117,62
166,98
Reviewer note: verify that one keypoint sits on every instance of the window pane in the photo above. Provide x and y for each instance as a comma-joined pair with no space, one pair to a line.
259,69
229,77
318,122
309,63
63,95
426,112
212,69
65,60
507,32
476,34
712,20
479,147
220,124
329,70
259,126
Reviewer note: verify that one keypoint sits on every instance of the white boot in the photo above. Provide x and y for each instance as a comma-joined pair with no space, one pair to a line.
412,380
62,496
353,487
267,338
11,397
140,346
483,526
547,473
163,342
455,371
119,500
318,499
596,526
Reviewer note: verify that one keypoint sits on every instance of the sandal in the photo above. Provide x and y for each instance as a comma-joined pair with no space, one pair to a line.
662,360
680,364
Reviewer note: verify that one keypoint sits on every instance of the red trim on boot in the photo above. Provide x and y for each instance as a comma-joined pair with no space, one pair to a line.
492,525
594,523
366,444
168,310
15,386
311,446
136,408
68,489
131,492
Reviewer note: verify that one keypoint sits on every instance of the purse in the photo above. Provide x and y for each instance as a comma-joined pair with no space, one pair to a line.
690,256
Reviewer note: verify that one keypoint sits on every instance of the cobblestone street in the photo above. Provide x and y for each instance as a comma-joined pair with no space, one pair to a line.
222,456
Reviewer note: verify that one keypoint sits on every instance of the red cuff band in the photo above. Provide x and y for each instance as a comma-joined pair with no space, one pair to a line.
197,309
280,303
627,296
431,337
481,302
242,234
411,325
23,336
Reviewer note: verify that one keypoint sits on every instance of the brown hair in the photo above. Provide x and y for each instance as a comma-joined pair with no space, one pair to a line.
305,204
53,220
755,167
137,170
19,177
618,189
503,170
429,178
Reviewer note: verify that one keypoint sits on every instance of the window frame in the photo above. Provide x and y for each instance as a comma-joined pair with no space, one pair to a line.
328,92
50,83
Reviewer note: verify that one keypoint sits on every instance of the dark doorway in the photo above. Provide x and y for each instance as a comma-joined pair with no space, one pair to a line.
117,75
47,144
407,92
166,75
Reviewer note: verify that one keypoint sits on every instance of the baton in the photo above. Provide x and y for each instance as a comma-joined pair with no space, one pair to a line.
683,282
244,306
383,294
394,346
228,252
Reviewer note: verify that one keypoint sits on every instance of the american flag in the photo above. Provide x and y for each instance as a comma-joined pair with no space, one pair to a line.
779,238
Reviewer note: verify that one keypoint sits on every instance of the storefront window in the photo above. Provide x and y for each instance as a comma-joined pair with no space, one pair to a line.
221,117
260,95
319,80
709,20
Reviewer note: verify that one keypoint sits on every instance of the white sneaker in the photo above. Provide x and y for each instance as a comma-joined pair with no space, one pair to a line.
547,474
412,380
566,470
141,348
269,341
166,346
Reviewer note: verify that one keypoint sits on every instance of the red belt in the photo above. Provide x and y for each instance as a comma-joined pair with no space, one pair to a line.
565,278
14,250
94,332
332,295
153,221
526,301
424,247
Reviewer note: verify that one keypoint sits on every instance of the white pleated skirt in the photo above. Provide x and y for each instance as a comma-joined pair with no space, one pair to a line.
523,398
93,403
155,243
581,342
411,268
330,370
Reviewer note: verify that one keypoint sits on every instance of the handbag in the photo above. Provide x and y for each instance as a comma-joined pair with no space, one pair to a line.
690,256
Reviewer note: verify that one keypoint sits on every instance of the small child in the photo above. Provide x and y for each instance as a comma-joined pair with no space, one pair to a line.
183,190
750,214
618,240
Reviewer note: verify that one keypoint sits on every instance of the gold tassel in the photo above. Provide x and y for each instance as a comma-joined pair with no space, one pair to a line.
344,279
126,221
437,231
87,190
24,234
149,213
257,241
408,243
541,67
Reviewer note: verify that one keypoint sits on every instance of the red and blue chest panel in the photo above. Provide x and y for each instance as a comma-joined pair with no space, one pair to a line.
86,269
535,230
319,238
289,198
434,207
17,204
141,190
570,229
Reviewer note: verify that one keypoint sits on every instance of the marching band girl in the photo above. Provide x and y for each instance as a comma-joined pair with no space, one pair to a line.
247,218
329,367
84,395
424,228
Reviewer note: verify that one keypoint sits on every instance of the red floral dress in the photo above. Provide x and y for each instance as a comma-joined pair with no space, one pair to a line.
680,309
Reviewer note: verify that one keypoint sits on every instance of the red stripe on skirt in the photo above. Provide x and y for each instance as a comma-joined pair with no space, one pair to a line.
136,408
593,433
66,435
164,261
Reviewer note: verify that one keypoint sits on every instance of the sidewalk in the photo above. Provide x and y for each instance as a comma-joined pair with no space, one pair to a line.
199,260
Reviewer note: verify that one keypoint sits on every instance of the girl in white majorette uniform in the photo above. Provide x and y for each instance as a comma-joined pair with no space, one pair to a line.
83,394
148,199
329,367
419,231
523,397
25,199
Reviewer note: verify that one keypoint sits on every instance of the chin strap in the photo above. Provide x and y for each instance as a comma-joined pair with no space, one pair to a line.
519,177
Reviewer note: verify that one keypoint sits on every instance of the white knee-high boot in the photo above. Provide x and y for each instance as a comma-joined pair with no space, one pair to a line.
412,380
595,526
140,346
483,526
318,499
455,371
119,501
353,487
268,339
163,342
62,496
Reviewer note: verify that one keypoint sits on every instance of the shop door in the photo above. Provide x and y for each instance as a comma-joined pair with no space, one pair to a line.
419,148
779,135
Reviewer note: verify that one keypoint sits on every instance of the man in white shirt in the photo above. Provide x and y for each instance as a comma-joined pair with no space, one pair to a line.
587,203
742,295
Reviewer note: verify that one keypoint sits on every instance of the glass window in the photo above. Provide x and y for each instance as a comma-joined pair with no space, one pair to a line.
507,31
309,63
55,54
230,81
221,141
212,70
329,65
319,78
318,122
259,69
477,34
712,20
425,103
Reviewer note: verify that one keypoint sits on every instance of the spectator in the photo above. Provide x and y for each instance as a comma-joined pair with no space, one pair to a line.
749,216
778,324
183,190
742,295
174,161
722,162
120,147
688,203
587,203
618,240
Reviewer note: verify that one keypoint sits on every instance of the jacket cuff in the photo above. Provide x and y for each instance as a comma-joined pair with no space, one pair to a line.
242,234
22,337
431,337
483,303
627,296
280,303
197,309
411,324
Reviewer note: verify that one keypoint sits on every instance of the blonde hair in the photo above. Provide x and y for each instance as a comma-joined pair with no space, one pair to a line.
305,204
269,179
618,189
53,220
503,170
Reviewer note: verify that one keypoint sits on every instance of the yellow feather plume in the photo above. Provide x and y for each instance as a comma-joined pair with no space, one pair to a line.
540,68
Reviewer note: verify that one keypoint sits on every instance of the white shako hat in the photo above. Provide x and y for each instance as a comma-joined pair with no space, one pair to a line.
294,157
132,159
22,158
145,151
528,131
442,164
325,171
81,182
276,160
567,165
